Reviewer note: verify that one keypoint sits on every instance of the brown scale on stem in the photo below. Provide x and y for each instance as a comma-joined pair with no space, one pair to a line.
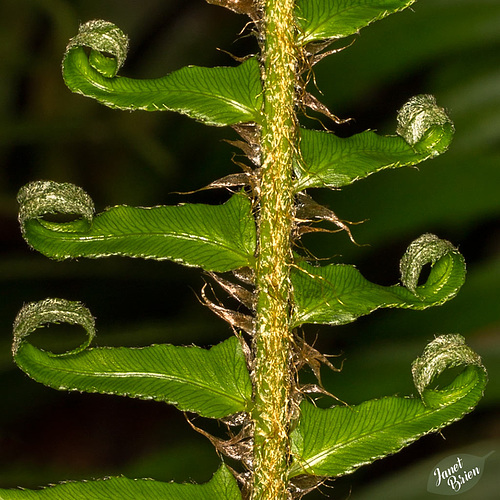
236,319
247,7
237,291
308,210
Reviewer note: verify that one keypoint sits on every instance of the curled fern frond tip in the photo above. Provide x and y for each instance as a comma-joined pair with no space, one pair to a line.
427,249
102,37
39,198
217,96
425,125
445,351
216,238
53,310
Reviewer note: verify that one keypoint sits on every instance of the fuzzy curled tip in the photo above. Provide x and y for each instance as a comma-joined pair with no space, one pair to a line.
102,37
445,351
425,125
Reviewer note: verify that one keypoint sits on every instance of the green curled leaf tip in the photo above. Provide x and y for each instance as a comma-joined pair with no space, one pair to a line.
424,125
214,237
427,249
217,96
102,37
446,351
338,294
213,383
37,314
40,198
338,440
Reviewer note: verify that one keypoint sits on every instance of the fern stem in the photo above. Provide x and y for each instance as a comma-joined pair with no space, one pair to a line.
273,334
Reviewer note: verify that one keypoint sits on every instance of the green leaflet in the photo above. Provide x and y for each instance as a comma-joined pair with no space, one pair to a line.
216,96
213,383
216,238
222,486
338,293
424,129
333,19
336,441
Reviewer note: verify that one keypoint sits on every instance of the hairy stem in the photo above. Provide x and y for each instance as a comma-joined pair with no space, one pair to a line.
273,333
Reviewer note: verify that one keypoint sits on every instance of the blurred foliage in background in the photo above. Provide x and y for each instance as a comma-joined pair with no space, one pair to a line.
449,48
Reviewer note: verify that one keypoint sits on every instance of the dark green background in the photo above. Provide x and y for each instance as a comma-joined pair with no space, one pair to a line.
450,48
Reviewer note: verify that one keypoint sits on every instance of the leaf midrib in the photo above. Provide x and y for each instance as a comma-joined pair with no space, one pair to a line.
83,239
